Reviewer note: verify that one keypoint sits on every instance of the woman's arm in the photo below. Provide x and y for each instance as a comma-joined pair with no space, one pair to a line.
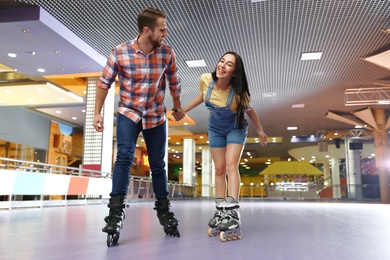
255,119
194,103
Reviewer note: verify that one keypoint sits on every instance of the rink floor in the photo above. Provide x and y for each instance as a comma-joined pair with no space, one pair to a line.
285,230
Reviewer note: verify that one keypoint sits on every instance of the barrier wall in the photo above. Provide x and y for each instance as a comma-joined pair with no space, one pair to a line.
26,188
50,189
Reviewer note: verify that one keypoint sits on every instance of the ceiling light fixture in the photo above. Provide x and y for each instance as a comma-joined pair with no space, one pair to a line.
196,63
298,106
386,30
12,55
292,128
271,94
311,55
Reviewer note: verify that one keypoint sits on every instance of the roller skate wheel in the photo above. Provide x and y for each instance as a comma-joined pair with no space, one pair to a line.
222,236
209,232
112,239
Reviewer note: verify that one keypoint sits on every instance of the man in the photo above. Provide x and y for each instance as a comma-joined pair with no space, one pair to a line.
143,66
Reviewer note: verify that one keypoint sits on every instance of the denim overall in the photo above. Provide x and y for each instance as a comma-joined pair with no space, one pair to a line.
223,127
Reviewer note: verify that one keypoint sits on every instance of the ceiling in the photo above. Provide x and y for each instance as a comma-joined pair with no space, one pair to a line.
71,40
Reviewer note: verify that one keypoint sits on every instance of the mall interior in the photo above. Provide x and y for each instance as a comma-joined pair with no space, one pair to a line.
319,74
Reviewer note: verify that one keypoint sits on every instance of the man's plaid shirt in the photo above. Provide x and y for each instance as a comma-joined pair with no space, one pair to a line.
142,81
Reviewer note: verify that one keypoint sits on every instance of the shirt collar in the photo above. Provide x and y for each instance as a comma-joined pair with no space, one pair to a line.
136,46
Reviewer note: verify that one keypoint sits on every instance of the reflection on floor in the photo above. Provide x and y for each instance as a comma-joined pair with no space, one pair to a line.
271,230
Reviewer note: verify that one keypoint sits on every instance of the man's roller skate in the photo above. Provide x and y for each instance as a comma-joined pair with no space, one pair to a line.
114,220
218,215
230,223
166,217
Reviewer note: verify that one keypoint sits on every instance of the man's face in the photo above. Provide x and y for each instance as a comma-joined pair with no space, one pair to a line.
159,33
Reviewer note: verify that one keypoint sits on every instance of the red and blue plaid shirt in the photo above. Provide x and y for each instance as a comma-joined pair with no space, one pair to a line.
142,81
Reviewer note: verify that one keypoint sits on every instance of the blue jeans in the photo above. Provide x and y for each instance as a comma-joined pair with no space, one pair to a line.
127,133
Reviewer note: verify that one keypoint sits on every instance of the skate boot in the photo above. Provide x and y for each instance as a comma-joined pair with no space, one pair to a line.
166,217
230,223
218,215
114,220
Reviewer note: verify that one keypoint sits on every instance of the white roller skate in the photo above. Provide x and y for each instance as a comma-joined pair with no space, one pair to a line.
218,215
230,223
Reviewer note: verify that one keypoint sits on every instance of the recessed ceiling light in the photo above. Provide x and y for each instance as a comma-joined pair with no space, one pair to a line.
271,94
41,70
292,128
311,55
25,31
81,67
74,118
12,55
58,112
386,30
57,51
196,63
298,106
83,110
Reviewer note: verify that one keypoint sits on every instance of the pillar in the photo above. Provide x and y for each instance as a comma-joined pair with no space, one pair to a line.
382,154
188,160
336,189
97,147
354,178
206,173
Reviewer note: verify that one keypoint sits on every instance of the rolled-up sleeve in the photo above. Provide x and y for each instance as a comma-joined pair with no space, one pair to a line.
109,72
173,77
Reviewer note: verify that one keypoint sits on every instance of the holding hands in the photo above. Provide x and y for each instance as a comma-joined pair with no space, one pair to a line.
178,114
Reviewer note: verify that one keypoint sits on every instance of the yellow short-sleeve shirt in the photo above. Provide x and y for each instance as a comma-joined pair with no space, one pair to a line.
218,97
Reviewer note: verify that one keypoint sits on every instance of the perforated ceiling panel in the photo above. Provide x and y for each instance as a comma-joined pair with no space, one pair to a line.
269,35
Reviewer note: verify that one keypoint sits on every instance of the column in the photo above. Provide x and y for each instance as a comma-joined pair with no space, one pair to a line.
353,165
98,146
188,160
206,173
382,154
336,189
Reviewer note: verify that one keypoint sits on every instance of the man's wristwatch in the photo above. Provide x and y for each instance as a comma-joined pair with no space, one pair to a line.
177,110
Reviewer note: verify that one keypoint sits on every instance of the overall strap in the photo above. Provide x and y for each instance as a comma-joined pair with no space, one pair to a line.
230,97
209,90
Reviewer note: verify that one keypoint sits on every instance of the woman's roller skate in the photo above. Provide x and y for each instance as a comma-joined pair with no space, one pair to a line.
218,215
166,217
114,220
230,223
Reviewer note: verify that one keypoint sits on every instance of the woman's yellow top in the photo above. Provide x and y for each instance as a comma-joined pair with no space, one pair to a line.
218,97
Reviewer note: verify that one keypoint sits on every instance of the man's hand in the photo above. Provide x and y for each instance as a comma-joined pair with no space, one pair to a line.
98,123
179,116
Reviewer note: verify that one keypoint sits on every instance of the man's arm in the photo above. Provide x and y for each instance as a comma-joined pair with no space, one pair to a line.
101,95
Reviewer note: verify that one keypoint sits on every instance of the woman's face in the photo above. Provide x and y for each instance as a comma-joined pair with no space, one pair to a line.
226,67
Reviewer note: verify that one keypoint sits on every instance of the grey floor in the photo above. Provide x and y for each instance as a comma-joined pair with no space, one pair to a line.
271,230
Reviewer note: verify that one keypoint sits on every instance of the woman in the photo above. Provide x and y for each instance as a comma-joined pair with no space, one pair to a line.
226,94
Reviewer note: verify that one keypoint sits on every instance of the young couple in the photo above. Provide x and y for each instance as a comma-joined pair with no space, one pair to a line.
141,109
